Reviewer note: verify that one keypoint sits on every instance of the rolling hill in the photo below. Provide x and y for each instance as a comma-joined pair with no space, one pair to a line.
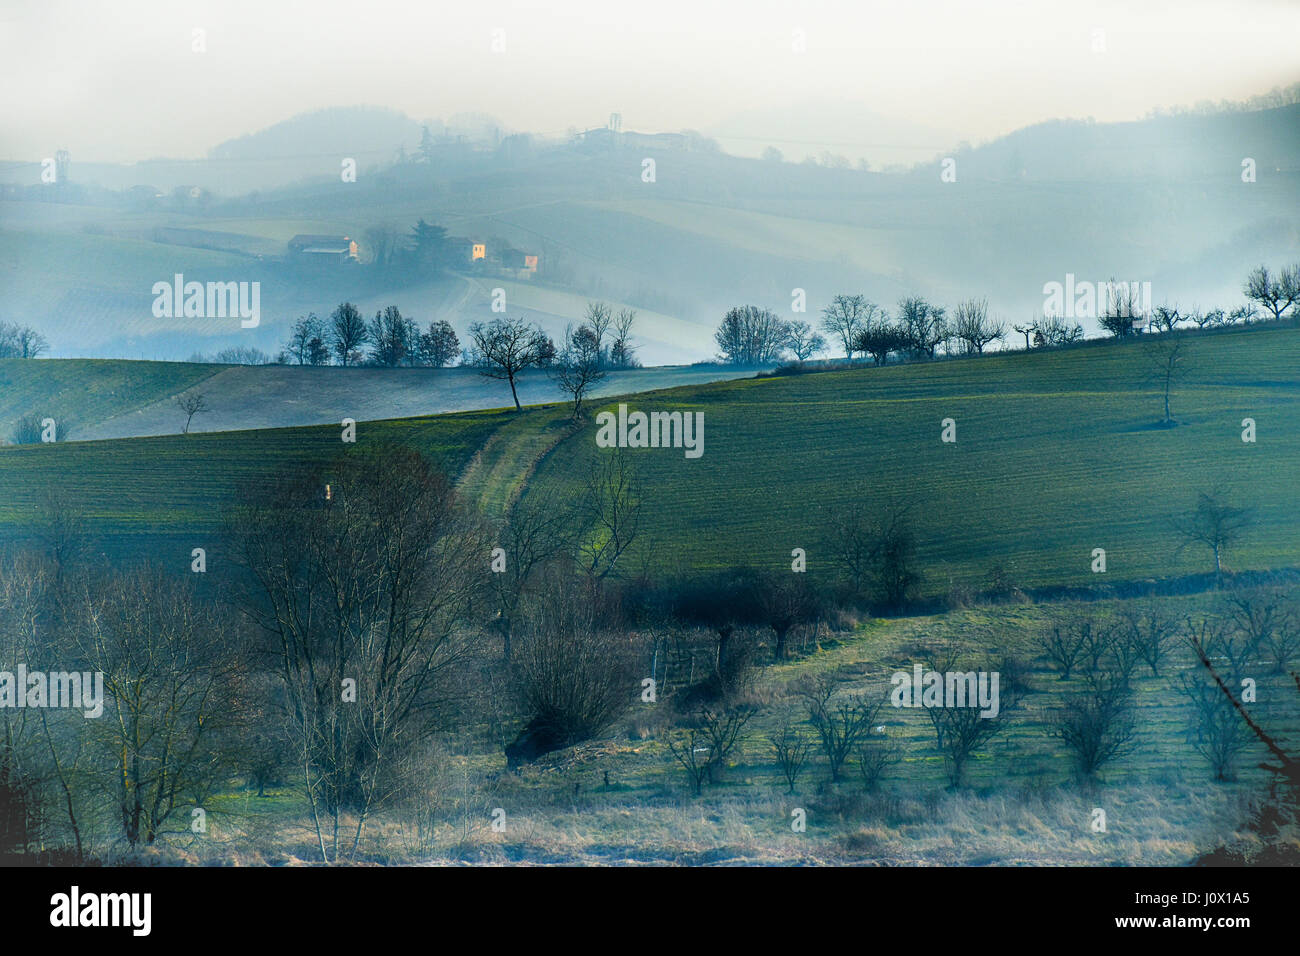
1057,453
1160,200
110,398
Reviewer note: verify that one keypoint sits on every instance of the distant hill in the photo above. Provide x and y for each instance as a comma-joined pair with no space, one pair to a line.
1163,150
1160,200
341,131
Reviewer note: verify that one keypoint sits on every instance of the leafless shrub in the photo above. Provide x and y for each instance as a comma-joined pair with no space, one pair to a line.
840,724
792,751
1096,723
877,752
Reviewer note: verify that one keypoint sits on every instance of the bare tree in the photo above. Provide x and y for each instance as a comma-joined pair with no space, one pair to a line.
923,324
785,600
961,732
803,340
1287,767
612,507
1121,312
304,331
383,240
1164,358
723,601
1051,331
705,748
394,339
877,752
578,367
191,403
973,328
840,724
690,749
1152,631
749,335
362,598
438,346
1268,622
1165,318
1215,730
536,531
1214,523
172,682
846,317
792,750
879,337
622,354
572,669
1096,723
21,341
1275,292
508,346
598,318
347,333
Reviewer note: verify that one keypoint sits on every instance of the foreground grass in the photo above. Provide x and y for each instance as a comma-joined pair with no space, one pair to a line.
622,799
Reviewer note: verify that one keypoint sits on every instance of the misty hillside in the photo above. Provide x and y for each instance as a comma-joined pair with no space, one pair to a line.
1160,200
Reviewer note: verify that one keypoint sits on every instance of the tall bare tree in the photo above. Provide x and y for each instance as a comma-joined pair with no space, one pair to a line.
362,598
846,317
578,366
612,508
347,333
508,347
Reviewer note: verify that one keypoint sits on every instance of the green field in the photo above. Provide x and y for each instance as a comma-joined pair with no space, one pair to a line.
88,391
1056,454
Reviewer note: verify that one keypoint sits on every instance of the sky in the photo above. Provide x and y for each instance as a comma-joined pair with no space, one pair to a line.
131,79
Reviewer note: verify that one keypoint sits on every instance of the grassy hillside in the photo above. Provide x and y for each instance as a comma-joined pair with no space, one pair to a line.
112,398
84,392
1056,455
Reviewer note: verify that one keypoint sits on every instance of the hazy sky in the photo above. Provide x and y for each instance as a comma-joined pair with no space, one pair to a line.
118,81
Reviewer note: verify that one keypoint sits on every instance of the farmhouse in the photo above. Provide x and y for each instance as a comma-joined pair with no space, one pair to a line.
323,248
